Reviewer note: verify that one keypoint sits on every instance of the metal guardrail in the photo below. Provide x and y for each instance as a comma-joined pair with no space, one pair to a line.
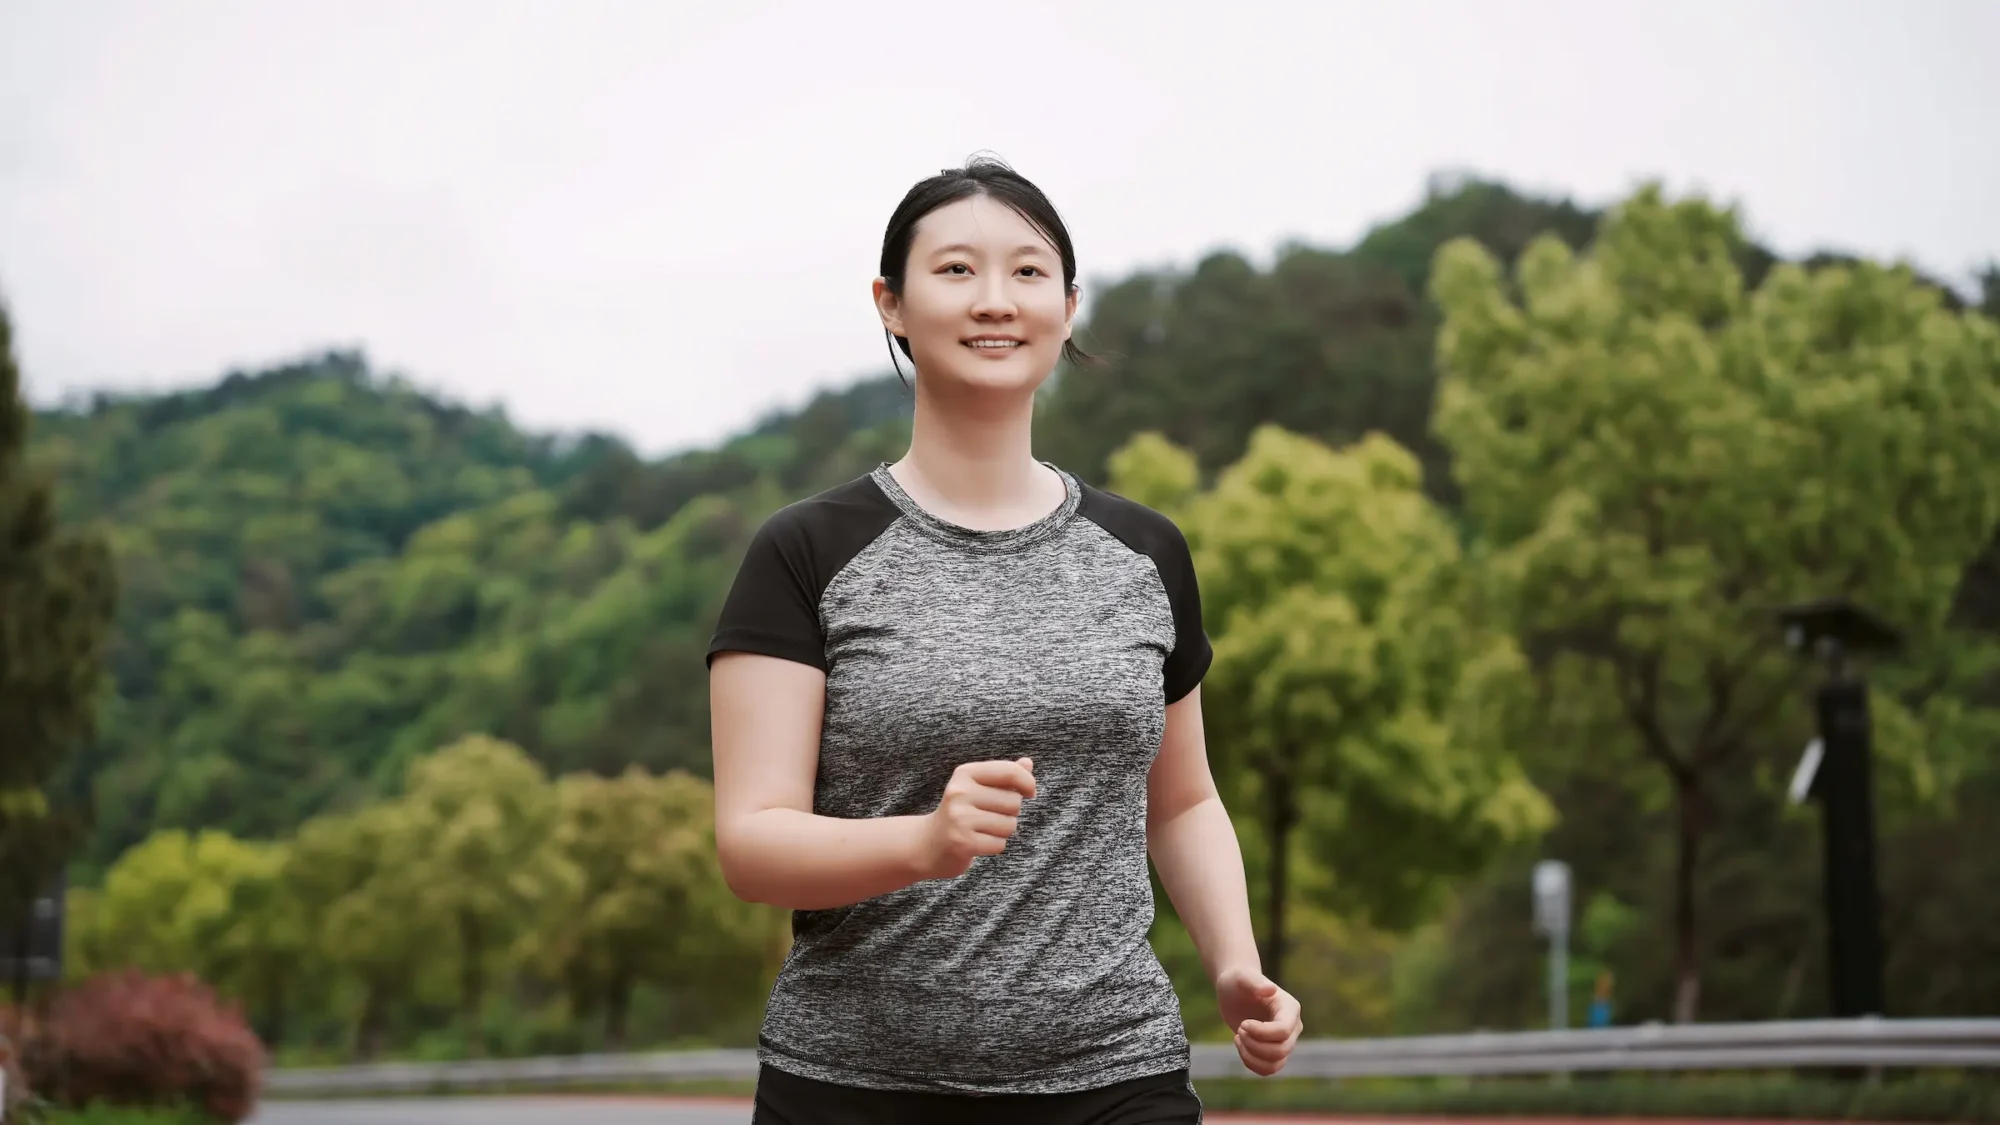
1938,1043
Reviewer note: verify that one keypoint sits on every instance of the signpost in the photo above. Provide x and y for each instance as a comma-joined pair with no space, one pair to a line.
1552,912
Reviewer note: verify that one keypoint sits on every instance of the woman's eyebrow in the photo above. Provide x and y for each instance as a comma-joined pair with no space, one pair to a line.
963,248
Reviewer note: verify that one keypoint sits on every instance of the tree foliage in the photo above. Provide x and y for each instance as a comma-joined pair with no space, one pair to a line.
1346,694
481,872
57,593
1655,456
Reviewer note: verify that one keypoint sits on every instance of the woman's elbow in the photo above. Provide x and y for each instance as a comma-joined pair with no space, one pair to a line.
739,871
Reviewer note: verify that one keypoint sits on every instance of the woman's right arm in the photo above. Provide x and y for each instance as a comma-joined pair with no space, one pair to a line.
764,715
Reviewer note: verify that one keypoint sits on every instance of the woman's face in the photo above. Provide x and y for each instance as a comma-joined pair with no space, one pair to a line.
983,304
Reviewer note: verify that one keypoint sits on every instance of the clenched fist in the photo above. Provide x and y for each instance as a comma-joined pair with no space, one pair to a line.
976,816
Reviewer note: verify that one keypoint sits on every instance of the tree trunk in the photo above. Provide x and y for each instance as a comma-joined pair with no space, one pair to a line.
1687,966
1283,814
274,1013
617,1012
368,1030
472,984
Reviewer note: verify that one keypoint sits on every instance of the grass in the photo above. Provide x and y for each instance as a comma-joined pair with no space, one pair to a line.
120,1115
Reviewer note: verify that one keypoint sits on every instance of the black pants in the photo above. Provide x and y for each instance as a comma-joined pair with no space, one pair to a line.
787,1099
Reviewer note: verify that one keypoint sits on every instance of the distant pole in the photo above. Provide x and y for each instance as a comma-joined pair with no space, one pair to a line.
1552,910
1559,981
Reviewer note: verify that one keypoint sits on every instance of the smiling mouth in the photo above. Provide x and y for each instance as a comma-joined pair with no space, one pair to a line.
993,345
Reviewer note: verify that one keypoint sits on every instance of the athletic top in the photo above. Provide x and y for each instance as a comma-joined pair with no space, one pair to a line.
1063,641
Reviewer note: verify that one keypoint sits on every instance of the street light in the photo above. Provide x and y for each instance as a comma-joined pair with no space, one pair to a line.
1836,771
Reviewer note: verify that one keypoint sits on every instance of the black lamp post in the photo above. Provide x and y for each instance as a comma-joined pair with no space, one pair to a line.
1837,773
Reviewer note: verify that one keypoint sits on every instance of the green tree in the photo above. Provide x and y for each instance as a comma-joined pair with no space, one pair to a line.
1653,454
1331,344
203,903
57,596
479,834
374,918
653,908
1350,680
256,948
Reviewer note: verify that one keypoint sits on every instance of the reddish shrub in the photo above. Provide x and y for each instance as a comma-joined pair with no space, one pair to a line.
130,1039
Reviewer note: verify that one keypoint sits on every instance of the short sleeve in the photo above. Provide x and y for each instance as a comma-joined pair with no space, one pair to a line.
1192,653
773,605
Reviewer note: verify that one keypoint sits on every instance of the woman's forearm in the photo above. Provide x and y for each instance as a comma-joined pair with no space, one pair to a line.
799,861
1201,867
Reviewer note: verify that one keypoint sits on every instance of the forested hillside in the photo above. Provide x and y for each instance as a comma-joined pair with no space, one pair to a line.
326,573
327,576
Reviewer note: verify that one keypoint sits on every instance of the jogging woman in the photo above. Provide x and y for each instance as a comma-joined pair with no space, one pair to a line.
955,705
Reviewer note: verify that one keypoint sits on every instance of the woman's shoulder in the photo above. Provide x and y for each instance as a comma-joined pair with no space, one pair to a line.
1138,525
839,513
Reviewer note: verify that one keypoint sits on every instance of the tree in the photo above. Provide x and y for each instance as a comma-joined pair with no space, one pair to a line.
207,904
653,908
374,918
1348,672
1653,455
479,836
57,596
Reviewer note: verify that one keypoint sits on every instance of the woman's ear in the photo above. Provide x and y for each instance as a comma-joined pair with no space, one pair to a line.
889,307
1069,311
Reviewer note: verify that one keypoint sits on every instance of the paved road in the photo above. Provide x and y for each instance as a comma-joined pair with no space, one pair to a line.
568,1111
506,1111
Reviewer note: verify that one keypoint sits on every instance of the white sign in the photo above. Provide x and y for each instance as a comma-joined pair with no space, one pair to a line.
1802,778
1552,897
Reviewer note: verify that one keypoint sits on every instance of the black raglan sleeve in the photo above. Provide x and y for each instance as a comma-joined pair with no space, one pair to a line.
1192,654
773,605
1156,536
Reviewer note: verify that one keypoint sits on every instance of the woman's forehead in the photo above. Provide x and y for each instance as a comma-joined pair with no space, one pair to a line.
978,222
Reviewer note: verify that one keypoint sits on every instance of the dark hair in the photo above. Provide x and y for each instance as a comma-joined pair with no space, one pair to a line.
982,175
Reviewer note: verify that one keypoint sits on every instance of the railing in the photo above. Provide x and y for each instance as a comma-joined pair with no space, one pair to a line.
1947,1044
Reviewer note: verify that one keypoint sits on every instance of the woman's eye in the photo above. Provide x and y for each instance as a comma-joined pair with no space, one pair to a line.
1036,270
958,267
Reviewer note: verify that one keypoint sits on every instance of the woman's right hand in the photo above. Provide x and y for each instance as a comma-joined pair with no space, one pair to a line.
976,816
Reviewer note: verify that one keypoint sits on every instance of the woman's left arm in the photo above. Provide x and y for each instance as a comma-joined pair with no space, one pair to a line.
1194,847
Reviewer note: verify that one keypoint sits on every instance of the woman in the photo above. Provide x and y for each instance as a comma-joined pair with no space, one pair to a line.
955,703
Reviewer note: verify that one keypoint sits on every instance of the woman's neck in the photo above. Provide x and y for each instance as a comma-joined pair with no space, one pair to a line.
973,463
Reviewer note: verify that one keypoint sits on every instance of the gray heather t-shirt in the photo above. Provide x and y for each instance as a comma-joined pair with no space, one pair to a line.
1063,641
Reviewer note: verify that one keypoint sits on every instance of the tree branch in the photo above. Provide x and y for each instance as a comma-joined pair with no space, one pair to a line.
1639,691
1726,736
1721,689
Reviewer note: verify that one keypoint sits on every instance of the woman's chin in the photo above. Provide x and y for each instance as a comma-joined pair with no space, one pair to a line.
1017,374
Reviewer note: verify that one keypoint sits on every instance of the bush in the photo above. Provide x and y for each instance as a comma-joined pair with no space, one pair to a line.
127,1039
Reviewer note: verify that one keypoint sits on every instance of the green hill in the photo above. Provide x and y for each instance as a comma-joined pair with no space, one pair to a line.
326,572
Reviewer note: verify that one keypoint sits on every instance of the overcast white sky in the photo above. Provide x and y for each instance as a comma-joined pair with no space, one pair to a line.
661,219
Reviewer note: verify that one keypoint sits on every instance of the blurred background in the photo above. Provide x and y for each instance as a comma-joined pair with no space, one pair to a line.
392,390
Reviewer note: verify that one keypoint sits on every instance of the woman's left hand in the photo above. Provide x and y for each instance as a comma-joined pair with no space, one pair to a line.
1264,1017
